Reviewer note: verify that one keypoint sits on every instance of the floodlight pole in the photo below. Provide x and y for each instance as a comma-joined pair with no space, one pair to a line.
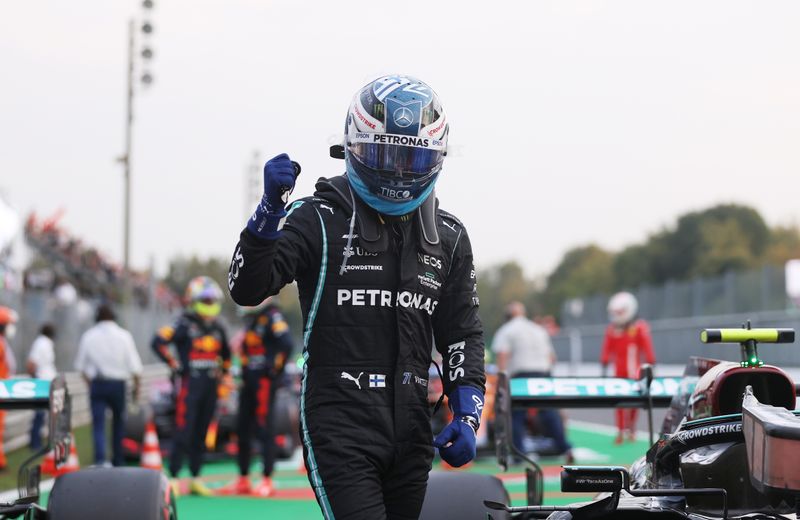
126,159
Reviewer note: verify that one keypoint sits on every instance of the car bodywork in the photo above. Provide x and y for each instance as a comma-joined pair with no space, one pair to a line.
724,450
88,494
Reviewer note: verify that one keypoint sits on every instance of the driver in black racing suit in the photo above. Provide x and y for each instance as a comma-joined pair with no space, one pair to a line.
381,281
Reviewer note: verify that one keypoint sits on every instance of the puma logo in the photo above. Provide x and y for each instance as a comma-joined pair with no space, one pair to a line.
451,226
345,375
323,206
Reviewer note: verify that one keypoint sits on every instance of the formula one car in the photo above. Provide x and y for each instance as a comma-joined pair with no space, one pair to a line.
729,446
89,494
221,436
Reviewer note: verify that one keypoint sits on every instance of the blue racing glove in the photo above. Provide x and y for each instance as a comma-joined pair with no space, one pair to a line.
279,177
456,442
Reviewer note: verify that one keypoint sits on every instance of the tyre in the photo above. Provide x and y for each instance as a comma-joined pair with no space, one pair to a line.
118,493
135,422
461,495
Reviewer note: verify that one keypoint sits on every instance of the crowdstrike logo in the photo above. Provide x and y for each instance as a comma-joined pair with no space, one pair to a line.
383,298
709,431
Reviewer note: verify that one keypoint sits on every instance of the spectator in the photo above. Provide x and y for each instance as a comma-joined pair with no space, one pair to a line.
107,358
523,349
627,340
41,365
8,327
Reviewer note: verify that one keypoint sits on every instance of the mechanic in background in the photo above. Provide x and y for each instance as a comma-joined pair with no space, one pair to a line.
41,365
627,340
107,358
201,359
8,364
266,346
523,349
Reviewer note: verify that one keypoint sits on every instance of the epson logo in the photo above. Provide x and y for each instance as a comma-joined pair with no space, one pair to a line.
429,260
383,298
395,194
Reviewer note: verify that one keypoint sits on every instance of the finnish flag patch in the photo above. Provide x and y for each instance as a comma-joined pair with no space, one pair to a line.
377,381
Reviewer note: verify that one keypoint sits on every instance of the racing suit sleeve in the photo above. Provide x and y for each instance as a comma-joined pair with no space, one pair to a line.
260,267
164,337
281,342
457,327
646,343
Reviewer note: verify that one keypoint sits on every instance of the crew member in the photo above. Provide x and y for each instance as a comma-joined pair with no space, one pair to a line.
200,359
41,365
524,349
627,340
8,364
383,274
266,345
107,358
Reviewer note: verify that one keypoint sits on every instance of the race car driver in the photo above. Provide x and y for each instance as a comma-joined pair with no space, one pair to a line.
200,359
382,274
627,340
266,346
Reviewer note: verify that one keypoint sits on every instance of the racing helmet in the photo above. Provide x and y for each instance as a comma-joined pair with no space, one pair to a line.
622,307
204,297
395,143
8,322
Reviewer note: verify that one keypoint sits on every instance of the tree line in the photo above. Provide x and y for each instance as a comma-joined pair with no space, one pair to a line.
700,243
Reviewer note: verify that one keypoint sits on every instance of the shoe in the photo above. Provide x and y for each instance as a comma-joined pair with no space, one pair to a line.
620,439
632,436
175,484
569,459
264,488
240,486
196,487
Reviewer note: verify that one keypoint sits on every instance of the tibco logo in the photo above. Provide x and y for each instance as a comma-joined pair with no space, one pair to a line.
382,298
395,194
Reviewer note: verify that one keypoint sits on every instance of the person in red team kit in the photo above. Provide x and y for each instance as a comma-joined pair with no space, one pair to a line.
197,351
627,340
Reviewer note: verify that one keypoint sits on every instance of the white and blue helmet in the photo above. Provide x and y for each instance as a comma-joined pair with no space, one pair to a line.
395,143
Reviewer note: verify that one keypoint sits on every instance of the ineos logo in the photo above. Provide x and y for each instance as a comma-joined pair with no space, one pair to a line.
429,260
456,359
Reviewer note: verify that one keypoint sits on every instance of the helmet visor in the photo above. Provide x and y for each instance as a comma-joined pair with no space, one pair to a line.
398,154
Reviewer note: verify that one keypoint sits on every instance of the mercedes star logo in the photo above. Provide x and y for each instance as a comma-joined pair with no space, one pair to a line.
403,117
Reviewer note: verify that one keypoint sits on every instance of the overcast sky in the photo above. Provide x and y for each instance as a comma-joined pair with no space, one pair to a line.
571,121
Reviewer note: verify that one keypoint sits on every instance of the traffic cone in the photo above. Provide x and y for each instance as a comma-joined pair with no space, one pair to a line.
72,463
49,464
151,451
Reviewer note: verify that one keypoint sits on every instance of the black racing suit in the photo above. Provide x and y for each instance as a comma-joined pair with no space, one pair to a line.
203,354
266,346
368,338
